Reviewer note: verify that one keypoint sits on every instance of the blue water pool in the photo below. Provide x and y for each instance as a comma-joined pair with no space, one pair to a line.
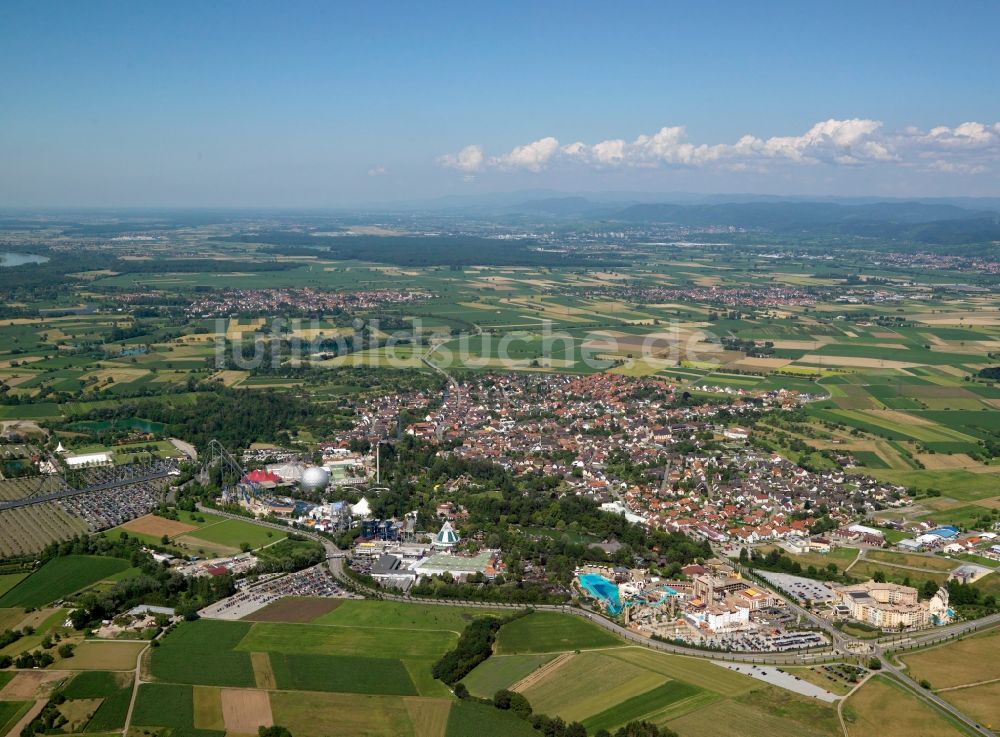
601,588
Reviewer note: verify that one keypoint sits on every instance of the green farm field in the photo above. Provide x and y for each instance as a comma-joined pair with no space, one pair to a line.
61,577
11,712
397,615
543,632
289,638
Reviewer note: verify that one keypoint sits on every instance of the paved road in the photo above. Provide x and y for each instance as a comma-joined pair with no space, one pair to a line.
335,562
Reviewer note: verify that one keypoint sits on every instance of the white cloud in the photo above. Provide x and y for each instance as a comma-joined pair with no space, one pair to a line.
532,156
469,158
850,142
376,171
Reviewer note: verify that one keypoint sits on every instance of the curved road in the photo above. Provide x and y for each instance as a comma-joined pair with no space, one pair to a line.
335,562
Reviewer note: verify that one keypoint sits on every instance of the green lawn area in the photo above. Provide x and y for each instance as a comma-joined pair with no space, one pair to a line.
61,577
209,643
343,674
542,632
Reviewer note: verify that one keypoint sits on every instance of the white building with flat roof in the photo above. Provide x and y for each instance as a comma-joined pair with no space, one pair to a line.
89,459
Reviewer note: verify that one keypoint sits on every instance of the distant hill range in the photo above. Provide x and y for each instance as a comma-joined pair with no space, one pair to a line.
919,222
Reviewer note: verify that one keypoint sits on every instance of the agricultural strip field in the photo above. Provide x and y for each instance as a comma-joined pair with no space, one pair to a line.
588,683
11,712
648,706
113,689
469,718
171,706
26,530
542,632
304,639
9,581
341,715
341,674
398,615
212,643
764,711
61,577
608,687
500,671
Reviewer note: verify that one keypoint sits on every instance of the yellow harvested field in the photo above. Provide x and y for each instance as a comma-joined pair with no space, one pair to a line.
855,362
230,377
942,461
26,359
208,708
262,673
104,655
116,374
429,716
768,363
799,345
235,330
246,710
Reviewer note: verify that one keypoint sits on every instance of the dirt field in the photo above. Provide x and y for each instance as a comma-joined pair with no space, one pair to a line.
35,618
293,609
262,673
27,683
157,526
429,716
98,655
245,710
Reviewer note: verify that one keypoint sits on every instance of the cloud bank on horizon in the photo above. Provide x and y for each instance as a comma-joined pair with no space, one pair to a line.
969,148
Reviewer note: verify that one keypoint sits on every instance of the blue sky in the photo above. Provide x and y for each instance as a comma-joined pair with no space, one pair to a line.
324,104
